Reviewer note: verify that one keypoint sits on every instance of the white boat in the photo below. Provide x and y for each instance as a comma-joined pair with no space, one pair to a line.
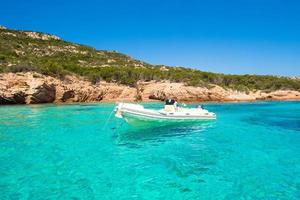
135,113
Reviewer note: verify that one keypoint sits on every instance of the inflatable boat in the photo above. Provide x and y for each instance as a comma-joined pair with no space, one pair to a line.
135,113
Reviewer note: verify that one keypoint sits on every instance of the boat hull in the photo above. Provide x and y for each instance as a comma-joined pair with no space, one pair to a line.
138,119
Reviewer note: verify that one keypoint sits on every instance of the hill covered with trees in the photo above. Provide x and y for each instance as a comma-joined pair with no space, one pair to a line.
22,51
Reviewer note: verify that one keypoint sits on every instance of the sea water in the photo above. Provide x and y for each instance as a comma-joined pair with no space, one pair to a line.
252,151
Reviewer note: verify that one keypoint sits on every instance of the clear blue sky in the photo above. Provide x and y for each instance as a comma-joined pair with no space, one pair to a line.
229,36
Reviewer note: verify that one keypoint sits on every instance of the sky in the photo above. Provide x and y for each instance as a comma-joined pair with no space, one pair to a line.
227,36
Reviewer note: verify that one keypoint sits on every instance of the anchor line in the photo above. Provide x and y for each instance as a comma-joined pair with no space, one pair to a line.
106,122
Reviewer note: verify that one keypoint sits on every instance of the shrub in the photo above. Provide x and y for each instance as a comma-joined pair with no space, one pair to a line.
22,68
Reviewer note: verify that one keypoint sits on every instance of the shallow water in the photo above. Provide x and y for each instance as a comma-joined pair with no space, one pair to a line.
252,151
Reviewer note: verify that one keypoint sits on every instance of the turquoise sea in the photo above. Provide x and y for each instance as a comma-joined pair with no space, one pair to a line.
252,151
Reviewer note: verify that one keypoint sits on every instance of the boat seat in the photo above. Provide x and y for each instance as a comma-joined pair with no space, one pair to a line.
169,108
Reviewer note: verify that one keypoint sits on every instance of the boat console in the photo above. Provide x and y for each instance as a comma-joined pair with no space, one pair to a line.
170,105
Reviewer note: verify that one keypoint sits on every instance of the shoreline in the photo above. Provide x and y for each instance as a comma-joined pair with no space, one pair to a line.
149,102
34,88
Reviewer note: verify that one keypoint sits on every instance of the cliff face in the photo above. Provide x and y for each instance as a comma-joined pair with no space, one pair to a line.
33,88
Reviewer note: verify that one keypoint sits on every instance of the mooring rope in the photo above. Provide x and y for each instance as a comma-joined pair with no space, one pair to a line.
106,122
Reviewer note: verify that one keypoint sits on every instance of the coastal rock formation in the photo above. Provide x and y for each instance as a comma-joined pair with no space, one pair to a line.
163,90
67,95
16,98
44,94
33,88
278,95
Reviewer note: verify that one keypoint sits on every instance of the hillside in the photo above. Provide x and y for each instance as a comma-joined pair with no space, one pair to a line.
22,51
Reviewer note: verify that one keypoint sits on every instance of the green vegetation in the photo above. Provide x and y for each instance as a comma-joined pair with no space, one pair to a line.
20,53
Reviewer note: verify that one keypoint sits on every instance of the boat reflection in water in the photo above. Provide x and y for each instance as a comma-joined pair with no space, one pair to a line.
135,134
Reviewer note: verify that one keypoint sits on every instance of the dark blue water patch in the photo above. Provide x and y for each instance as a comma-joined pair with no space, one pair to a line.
85,109
255,107
285,123
89,105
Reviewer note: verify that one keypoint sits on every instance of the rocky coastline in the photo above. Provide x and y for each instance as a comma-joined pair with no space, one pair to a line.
35,88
